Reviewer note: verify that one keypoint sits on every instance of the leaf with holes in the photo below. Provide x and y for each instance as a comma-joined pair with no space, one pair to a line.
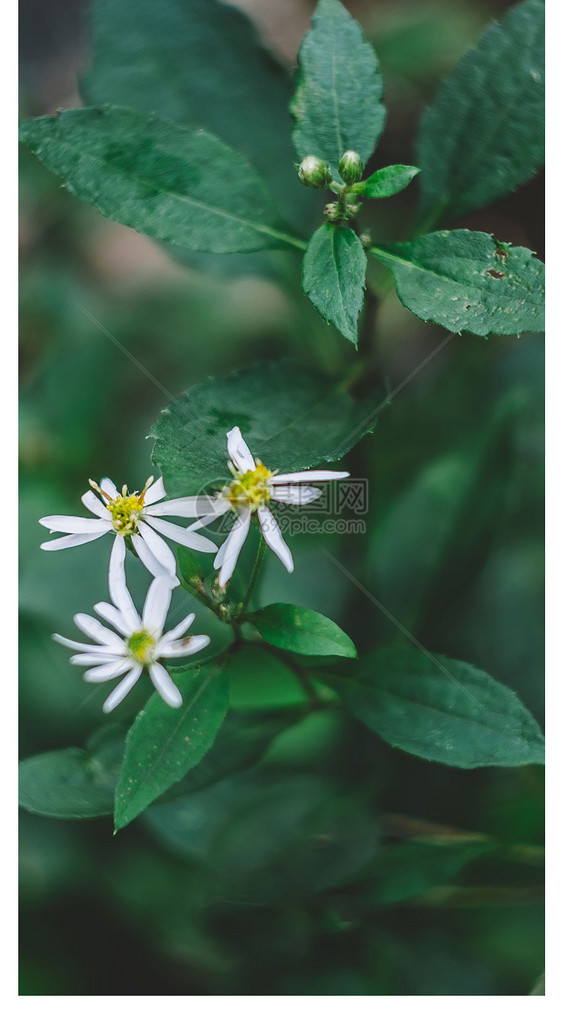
468,281
333,277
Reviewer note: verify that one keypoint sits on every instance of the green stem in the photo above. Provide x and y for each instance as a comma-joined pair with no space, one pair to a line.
254,576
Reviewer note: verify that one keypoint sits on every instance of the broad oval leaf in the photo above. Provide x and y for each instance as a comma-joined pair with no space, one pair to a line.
484,134
303,631
183,186
163,743
333,277
337,104
386,182
291,418
468,281
73,784
443,710
199,63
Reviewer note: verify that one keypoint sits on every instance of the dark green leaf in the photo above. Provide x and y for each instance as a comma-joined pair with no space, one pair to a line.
260,680
333,277
337,103
290,417
409,869
191,574
201,64
386,182
484,134
73,784
443,710
301,630
183,186
468,281
163,743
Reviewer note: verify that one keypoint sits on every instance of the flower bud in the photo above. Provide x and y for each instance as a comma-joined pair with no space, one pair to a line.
350,167
315,173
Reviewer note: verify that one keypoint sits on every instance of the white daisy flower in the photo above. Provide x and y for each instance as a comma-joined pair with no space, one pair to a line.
138,515
139,643
253,486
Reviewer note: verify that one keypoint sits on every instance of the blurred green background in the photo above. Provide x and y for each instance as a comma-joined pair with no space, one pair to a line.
269,884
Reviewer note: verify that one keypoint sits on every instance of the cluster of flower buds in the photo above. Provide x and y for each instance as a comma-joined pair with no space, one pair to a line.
314,172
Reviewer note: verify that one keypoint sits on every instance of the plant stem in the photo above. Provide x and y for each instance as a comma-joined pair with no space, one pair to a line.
253,578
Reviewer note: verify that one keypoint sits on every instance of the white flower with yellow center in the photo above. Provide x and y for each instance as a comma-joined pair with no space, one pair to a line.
253,486
138,515
139,643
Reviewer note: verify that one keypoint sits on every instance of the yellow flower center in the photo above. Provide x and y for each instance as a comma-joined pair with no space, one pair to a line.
141,647
249,489
125,508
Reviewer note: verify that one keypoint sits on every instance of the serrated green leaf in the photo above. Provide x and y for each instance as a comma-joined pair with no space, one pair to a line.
163,743
291,418
337,103
333,277
484,134
386,182
468,281
199,63
172,183
443,710
73,784
303,631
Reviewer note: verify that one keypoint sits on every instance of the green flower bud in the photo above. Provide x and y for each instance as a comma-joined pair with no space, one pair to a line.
315,173
350,167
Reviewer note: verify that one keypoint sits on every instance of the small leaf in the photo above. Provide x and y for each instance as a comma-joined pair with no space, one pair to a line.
303,631
468,281
175,184
337,103
484,134
443,710
291,418
386,182
333,277
163,744
73,784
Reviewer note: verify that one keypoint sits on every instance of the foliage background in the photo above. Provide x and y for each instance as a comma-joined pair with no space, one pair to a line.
455,470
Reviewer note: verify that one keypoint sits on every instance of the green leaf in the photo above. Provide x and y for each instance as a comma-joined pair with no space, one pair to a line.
175,184
163,743
443,710
73,784
260,680
291,418
337,103
201,64
411,868
468,281
386,182
301,630
484,134
333,277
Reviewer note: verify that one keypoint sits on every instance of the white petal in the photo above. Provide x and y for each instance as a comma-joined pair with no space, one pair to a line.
163,684
156,605
222,506
94,504
120,594
122,690
108,671
109,487
311,476
96,630
238,451
68,643
155,492
274,539
295,494
68,541
183,507
162,553
230,550
185,536
187,647
95,657
178,630
153,565
113,616
74,526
